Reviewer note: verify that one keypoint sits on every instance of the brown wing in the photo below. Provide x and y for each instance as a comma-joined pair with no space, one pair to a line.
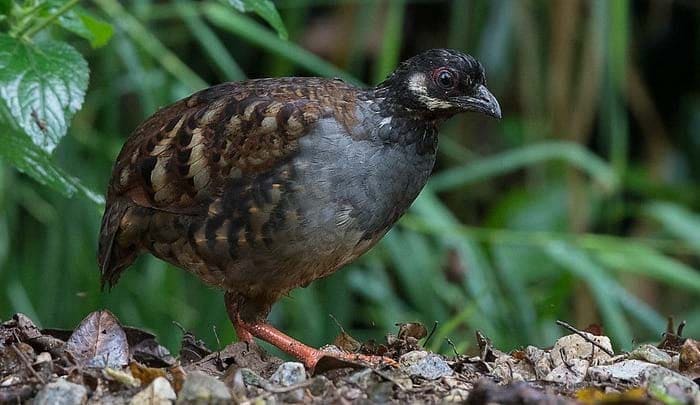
179,160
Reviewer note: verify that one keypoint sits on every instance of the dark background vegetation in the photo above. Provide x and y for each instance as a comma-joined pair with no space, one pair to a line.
579,205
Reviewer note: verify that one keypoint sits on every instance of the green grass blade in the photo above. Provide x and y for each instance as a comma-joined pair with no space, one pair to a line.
505,162
253,33
210,43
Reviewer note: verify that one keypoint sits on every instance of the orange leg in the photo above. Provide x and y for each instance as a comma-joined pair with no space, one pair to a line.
314,359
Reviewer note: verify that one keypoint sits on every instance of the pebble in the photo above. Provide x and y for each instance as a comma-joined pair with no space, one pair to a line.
652,354
158,392
61,392
426,365
288,374
200,389
651,376
573,372
576,347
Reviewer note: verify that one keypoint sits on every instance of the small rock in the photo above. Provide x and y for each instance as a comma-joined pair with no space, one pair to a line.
651,354
42,357
319,386
200,388
540,360
573,372
61,392
576,347
651,376
511,369
381,393
363,378
250,377
426,365
158,392
288,374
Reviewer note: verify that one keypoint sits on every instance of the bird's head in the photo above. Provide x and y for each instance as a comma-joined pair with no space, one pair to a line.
441,83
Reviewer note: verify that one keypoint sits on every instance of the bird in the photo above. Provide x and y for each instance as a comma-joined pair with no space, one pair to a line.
261,186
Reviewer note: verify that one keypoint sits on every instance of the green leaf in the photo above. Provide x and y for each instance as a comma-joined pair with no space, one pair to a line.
604,288
88,26
505,162
41,87
19,151
5,7
677,220
265,9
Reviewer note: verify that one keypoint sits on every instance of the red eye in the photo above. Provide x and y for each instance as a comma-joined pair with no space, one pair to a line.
444,78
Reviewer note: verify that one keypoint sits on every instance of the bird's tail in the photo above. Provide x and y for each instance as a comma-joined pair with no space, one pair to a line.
113,258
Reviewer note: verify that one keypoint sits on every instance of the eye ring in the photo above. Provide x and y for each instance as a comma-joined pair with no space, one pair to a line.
444,78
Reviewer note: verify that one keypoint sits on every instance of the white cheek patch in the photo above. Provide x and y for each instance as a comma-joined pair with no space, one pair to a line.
417,86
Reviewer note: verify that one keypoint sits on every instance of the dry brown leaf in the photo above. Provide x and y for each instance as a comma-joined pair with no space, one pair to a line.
179,375
192,349
689,361
594,396
346,342
145,374
99,341
412,329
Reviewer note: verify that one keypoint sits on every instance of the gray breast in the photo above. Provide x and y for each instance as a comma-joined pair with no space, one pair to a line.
353,188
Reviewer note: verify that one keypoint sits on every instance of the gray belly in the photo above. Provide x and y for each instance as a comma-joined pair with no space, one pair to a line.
348,194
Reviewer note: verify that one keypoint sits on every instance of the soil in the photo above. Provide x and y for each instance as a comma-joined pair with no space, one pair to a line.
102,361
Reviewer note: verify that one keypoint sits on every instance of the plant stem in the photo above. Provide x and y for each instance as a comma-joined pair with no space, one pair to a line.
45,23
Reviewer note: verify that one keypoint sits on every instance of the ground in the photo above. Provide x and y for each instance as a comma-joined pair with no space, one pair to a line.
102,361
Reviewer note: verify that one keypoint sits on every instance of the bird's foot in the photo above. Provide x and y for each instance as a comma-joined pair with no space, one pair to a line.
322,360
315,360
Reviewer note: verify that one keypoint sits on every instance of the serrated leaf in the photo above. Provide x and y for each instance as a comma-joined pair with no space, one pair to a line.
265,9
18,150
88,26
41,86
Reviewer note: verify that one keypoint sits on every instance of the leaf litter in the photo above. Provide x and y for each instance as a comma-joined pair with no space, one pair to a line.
102,361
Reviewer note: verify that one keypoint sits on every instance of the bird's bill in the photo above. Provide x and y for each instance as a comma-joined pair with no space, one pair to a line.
482,102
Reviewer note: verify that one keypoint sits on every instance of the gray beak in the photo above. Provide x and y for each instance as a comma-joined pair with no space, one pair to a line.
482,102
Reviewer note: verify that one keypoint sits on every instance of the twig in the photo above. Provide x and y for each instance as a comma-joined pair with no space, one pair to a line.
452,345
432,332
219,362
681,326
585,337
26,362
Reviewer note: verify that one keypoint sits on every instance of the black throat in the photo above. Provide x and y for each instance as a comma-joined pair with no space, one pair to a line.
392,122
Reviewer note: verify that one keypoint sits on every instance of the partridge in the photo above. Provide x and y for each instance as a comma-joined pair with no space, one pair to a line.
261,186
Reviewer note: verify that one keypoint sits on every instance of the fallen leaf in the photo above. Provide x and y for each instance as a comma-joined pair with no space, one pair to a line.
145,374
99,341
689,361
152,354
179,376
595,396
594,329
121,377
412,329
346,342
192,349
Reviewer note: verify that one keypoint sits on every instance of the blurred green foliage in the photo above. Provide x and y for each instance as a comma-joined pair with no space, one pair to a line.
579,205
